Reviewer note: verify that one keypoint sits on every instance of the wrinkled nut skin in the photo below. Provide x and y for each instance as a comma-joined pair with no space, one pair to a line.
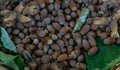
92,41
85,45
109,40
92,51
62,57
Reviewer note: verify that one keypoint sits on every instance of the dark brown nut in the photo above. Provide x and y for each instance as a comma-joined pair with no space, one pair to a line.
93,27
60,43
37,17
91,33
73,15
40,33
62,57
41,3
35,41
67,11
85,29
118,41
109,40
50,28
21,35
55,54
40,45
63,50
57,4
46,21
25,31
89,21
9,30
61,18
104,34
91,8
77,38
43,14
15,31
25,40
20,50
16,40
98,32
73,6
54,37
45,48
45,58
63,30
72,23
19,25
38,61
68,17
65,41
48,40
39,24
56,26
92,51
38,53
51,7
92,41
32,65
55,47
71,42
85,45
73,63
80,58
69,49
67,35
50,51
78,12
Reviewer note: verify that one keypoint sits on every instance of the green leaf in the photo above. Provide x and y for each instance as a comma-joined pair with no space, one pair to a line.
19,62
12,65
6,58
6,41
107,57
81,19
14,62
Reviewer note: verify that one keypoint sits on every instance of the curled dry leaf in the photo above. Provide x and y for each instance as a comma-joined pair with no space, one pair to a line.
19,8
100,21
24,19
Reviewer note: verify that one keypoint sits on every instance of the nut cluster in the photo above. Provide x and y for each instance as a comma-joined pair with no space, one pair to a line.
42,32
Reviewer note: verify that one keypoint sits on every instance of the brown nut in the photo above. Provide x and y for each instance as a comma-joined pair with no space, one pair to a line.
57,4
104,34
38,53
85,45
45,58
69,49
91,33
65,41
40,33
92,41
109,40
55,54
32,65
93,27
56,26
92,51
50,28
63,30
60,43
62,57
80,58
41,3
44,13
73,6
61,18
85,29
71,42
54,37
73,63
55,47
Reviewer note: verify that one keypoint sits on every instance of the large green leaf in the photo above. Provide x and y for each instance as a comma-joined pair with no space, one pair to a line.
14,62
81,19
107,57
6,41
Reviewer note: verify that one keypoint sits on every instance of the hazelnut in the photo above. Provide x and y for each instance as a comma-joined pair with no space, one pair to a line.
92,41
45,58
60,43
55,47
40,33
62,57
73,6
92,51
85,45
